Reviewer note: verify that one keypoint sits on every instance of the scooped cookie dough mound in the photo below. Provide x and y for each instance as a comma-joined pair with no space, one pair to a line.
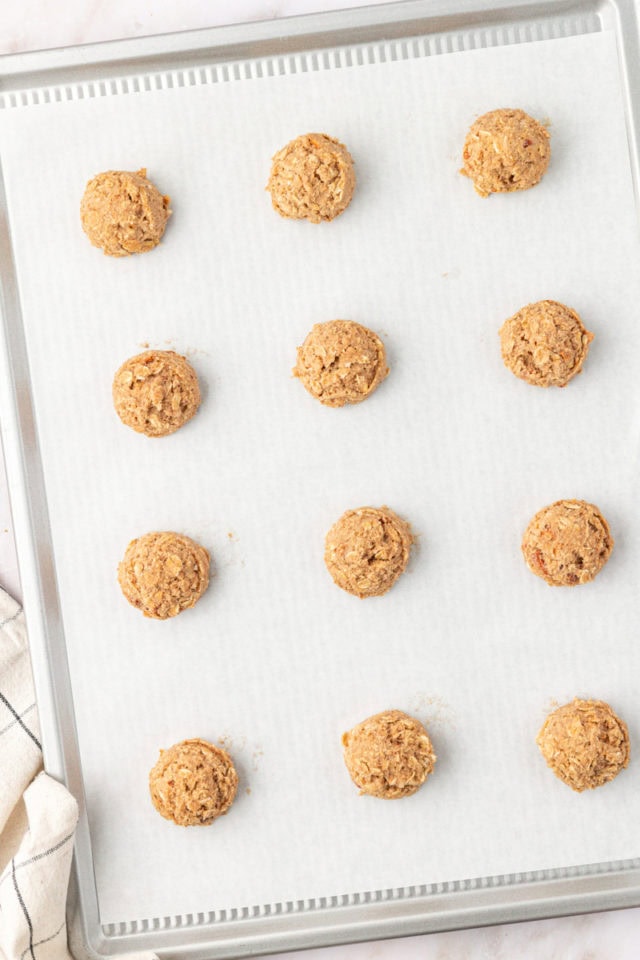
156,392
505,150
567,543
123,212
341,362
367,549
389,755
163,574
312,178
193,783
585,744
545,343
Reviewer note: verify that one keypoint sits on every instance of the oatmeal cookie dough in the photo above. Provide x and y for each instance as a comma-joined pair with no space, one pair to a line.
505,150
156,392
584,743
388,755
341,362
123,212
193,783
312,178
163,574
567,543
545,343
367,549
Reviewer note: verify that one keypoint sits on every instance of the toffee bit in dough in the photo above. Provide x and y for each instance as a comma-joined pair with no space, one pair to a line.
341,362
505,150
389,755
545,343
312,178
585,744
193,783
567,543
163,574
123,212
367,549
156,392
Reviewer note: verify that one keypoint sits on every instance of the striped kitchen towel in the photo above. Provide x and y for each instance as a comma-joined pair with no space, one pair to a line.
37,814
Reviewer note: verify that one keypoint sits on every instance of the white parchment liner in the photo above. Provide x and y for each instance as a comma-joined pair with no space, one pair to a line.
275,660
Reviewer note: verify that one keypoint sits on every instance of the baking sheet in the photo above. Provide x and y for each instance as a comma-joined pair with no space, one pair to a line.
275,660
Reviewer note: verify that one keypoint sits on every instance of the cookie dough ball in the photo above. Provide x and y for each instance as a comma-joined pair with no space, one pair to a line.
341,362
389,755
545,343
163,574
312,178
584,743
123,212
567,543
193,783
367,549
156,392
505,150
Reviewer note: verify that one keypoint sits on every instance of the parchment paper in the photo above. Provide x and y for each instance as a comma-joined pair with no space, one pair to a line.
275,660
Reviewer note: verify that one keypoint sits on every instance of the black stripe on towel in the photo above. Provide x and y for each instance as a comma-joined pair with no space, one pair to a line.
24,910
28,732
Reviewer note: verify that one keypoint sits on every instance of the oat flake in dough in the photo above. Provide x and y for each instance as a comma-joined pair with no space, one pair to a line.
389,755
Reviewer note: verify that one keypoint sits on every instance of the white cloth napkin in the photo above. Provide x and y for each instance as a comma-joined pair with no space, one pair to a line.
37,814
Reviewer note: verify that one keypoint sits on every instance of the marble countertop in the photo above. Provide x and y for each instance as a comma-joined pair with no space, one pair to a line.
36,24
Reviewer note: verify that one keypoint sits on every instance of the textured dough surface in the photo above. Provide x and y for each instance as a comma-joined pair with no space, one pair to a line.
312,178
193,783
584,743
388,755
567,543
123,212
163,574
156,392
545,343
367,549
505,150
341,362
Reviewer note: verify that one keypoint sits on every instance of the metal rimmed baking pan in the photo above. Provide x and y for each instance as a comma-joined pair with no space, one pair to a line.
384,34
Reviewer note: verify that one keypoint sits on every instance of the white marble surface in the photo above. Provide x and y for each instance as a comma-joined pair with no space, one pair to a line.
35,24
